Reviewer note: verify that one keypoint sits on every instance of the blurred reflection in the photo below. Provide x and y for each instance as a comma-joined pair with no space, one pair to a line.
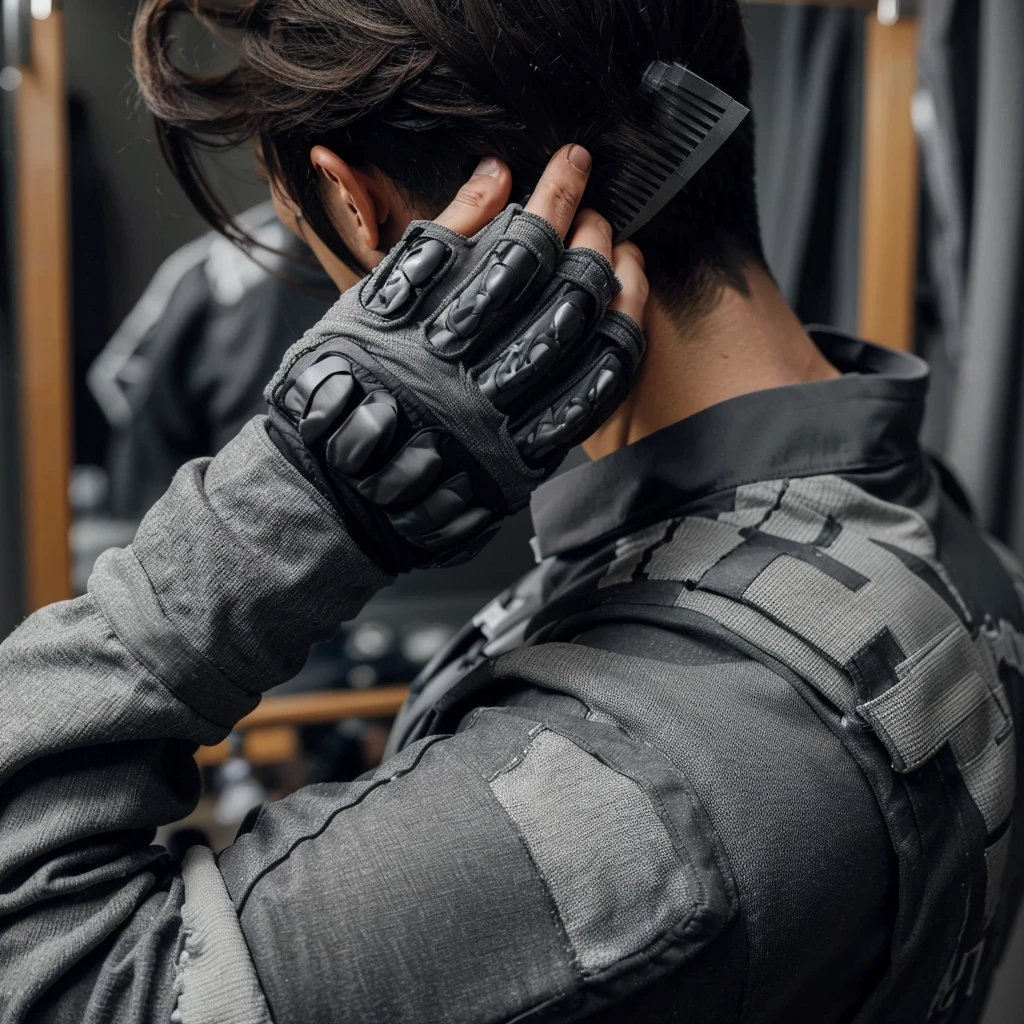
187,367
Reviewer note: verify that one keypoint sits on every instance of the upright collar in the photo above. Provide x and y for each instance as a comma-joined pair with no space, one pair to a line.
866,419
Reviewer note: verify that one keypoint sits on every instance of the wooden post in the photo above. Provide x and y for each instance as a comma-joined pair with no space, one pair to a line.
43,324
889,189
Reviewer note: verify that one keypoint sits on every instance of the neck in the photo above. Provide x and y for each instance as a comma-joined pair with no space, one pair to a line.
744,343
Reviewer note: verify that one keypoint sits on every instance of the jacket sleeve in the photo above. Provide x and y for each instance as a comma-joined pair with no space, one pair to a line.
232,576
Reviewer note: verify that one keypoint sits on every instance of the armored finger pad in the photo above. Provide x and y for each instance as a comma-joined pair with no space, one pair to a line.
439,508
320,395
533,355
409,278
504,278
458,531
577,413
407,477
365,435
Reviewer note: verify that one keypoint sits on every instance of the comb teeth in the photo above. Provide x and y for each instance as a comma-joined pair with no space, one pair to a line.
691,121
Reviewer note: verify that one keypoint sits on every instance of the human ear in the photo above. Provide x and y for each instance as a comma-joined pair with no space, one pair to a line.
357,203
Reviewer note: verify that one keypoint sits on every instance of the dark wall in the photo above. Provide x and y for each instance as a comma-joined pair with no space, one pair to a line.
146,215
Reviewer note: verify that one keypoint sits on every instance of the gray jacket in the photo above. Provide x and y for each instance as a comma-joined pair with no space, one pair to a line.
741,748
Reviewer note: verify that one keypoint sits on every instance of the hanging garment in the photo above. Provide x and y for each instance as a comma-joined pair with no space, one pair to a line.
986,439
188,365
807,100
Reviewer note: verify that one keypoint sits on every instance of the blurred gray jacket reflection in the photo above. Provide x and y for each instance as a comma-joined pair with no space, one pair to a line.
188,365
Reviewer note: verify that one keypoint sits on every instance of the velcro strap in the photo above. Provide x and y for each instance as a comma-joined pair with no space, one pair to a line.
937,690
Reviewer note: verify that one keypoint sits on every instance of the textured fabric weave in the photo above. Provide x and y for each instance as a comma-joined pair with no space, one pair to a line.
665,797
216,979
589,831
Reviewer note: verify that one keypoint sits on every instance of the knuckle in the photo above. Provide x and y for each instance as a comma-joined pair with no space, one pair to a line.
563,199
472,196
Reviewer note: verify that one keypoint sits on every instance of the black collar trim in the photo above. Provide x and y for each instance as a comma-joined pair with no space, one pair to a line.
866,419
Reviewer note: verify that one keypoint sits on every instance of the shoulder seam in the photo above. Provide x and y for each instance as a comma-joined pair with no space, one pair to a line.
325,824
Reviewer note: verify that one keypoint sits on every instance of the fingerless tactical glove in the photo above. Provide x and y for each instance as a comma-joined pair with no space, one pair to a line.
440,391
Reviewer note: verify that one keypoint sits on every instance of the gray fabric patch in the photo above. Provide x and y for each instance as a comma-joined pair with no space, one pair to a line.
841,621
600,847
773,639
814,606
880,520
977,731
695,547
217,981
873,667
630,552
796,519
814,557
734,574
894,523
753,502
991,780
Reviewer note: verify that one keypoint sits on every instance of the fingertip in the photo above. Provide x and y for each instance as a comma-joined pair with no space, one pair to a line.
560,189
591,231
579,157
628,263
490,167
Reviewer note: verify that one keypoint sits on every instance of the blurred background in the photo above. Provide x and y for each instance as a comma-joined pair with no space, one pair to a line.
891,162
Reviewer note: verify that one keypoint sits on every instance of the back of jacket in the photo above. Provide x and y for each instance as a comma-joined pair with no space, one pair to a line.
834,662
740,749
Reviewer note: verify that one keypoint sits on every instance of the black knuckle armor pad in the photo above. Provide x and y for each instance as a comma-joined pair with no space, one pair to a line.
368,429
407,477
507,377
503,280
437,509
319,394
577,413
422,471
411,275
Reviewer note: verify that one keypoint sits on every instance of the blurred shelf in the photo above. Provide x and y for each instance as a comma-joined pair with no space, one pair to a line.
270,736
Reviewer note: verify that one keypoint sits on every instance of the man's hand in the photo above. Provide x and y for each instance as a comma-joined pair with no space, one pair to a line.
443,388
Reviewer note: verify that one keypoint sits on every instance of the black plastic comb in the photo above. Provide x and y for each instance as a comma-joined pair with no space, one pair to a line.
691,121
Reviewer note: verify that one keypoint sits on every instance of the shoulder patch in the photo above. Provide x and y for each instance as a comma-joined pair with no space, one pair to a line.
620,841
601,849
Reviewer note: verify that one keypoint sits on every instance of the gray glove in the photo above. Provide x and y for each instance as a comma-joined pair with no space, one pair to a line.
441,390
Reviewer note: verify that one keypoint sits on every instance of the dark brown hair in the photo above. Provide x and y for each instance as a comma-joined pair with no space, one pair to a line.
420,89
